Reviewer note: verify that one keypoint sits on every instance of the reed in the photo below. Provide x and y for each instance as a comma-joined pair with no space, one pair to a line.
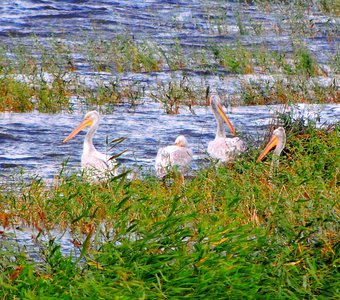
178,93
238,60
228,232
292,91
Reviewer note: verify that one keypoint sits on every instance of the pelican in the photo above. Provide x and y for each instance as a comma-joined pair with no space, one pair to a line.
278,140
222,148
178,155
92,160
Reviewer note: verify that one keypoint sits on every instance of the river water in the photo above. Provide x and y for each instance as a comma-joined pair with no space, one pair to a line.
193,22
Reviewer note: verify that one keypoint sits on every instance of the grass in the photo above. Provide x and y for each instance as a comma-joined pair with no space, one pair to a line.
179,92
293,90
15,96
233,231
47,85
238,60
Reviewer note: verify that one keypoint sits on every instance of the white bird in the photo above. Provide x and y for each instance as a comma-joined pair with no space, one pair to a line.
178,155
222,148
93,162
278,140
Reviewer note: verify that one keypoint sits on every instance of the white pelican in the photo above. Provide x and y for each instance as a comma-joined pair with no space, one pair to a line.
278,140
178,155
92,161
222,148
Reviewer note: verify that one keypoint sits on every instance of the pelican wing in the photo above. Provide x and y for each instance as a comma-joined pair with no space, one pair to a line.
235,145
217,149
226,149
181,157
97,162
162,161
172,156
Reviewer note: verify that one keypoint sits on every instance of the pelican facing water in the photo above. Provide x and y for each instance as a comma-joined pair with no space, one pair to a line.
178,155
91,159
222,148
278,140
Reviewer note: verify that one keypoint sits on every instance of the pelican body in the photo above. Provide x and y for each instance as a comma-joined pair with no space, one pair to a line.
222,148
91,160
178,155
277,140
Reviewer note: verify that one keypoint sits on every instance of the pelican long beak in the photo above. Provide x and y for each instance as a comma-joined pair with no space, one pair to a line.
86,122
225,118
272,143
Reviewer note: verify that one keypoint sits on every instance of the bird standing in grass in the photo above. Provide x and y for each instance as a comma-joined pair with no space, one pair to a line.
92,160
175,156
222,148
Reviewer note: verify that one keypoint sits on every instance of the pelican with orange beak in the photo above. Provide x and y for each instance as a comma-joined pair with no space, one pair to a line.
91,159
222,148
278,140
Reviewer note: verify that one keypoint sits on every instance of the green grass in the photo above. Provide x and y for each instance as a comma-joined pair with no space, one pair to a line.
234,231
179,92
15,96
290,91
52,96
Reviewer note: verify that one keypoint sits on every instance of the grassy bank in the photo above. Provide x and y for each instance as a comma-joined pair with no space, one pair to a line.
235,231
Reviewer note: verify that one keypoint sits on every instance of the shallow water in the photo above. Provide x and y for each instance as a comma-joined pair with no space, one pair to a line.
193,22
35,243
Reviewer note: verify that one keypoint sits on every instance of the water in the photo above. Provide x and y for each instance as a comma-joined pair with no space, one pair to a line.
34,243
195,24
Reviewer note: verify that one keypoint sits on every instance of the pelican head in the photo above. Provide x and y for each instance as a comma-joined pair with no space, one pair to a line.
91,119
181,141
278,140
217,109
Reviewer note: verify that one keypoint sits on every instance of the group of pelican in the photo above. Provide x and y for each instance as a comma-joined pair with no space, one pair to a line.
222,149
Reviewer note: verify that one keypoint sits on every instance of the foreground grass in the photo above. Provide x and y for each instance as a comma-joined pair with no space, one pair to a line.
238,231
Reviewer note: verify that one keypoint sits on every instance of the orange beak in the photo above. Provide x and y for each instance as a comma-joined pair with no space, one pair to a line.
225,118
86,122
272,143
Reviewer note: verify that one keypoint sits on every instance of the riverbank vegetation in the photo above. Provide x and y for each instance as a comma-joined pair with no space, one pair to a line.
242,230
51,75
